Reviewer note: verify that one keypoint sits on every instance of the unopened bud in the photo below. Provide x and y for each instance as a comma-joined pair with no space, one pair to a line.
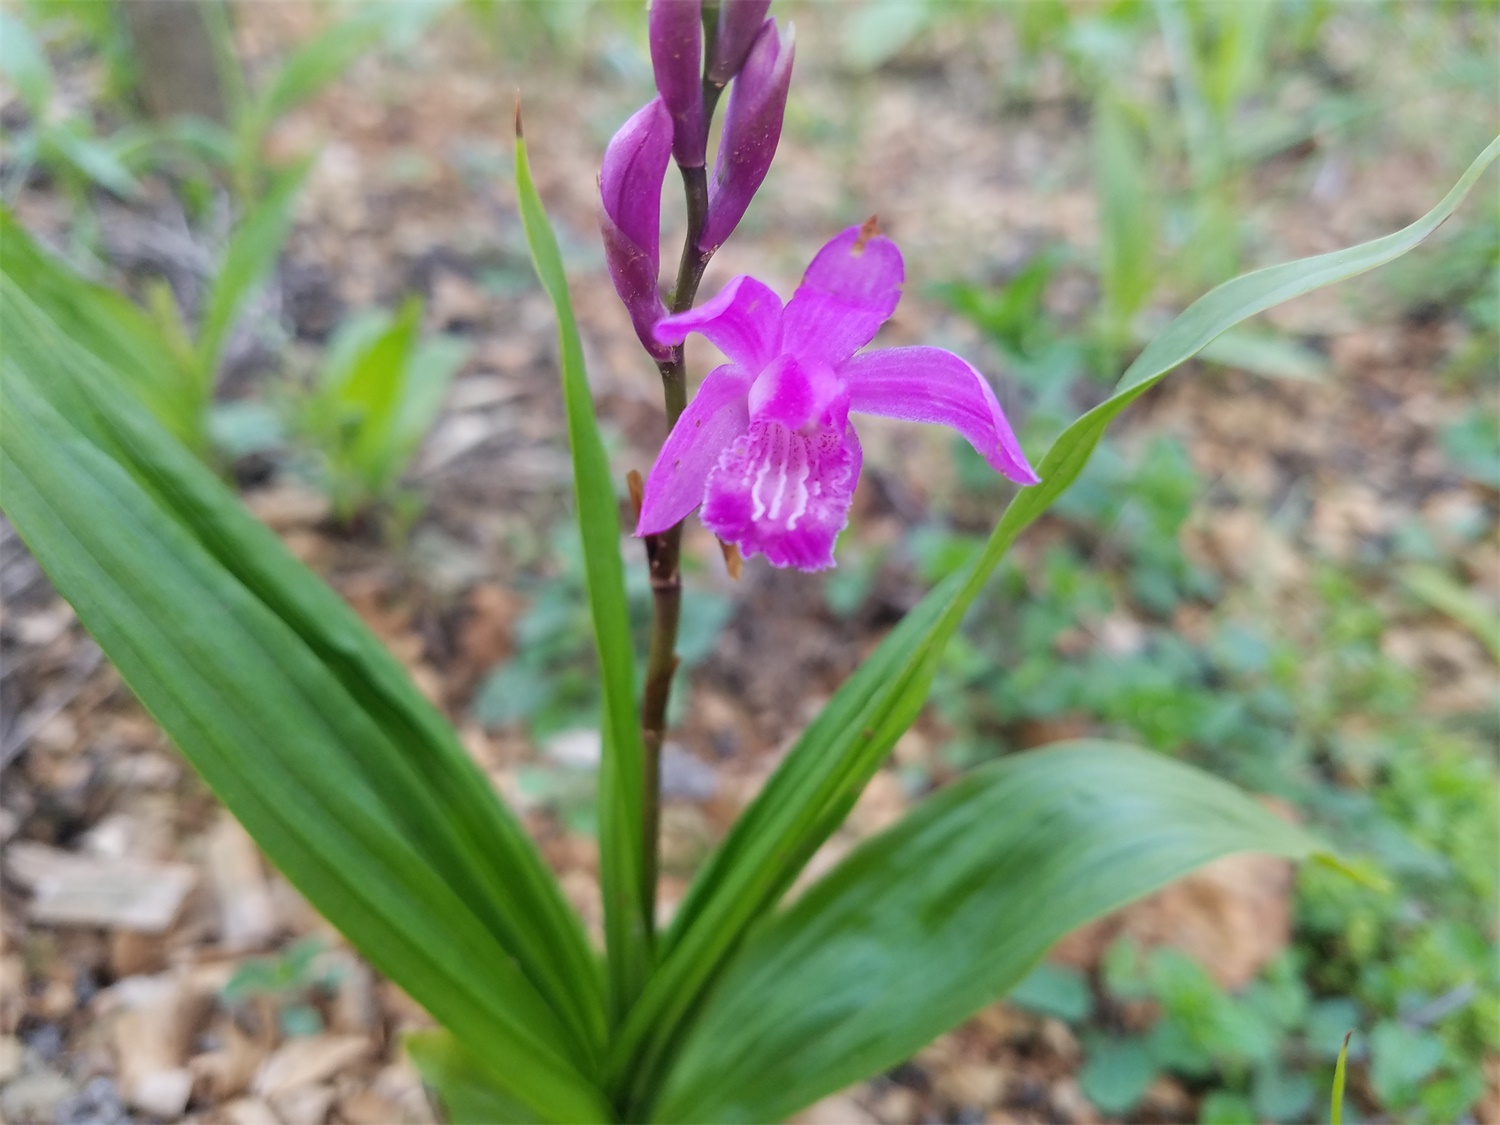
630,215
739,23
676,33
752,128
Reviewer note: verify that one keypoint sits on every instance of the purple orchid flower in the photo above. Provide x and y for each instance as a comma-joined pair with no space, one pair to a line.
675,30
630,216
766,447
752,129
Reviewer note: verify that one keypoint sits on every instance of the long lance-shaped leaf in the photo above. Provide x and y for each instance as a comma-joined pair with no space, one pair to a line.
806,799
622,869
463,1085
111,327
308,730
928,922
465,824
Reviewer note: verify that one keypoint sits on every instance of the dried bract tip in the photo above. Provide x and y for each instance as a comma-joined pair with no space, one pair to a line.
520,135
869,229
636,486
734,562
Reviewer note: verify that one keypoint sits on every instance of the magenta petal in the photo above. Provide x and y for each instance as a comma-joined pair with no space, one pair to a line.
743,321
710,424
933,385
675,29
752,129
784,493
849,291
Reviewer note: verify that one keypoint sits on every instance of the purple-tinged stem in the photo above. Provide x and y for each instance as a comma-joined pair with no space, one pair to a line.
664,551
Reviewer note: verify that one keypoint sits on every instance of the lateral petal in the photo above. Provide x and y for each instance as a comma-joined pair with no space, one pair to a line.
716,417
743,321
932,385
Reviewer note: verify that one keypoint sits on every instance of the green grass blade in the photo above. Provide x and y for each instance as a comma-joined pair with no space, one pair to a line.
930,921
1336,1099
1450,597
319,62
626,919
308,730
822,776
250,256
25,64
1127,227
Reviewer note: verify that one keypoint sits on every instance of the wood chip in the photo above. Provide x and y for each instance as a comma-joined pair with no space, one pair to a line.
76,890
132,953
354,1006
250,1111
151,1036
10,1057
841,1109
228,1071
306,1105
305,1062
365,1107
289,506
247,911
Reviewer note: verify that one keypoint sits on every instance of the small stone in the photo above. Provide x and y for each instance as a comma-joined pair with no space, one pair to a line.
578,749
98,1103
163,1093
684,777
35,1096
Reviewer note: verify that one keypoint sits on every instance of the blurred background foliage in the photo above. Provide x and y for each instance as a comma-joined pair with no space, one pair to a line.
1285,667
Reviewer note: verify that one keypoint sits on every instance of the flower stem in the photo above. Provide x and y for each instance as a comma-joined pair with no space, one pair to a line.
663,553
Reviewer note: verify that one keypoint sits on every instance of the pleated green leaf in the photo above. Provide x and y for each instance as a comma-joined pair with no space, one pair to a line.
111,327
621,856
927,923
806,799
462,1086
306,728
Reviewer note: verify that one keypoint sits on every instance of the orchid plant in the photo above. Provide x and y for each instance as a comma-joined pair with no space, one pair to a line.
749,1003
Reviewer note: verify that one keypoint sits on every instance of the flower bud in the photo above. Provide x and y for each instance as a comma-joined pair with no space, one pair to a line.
630,215
739,23
676,33
752,127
